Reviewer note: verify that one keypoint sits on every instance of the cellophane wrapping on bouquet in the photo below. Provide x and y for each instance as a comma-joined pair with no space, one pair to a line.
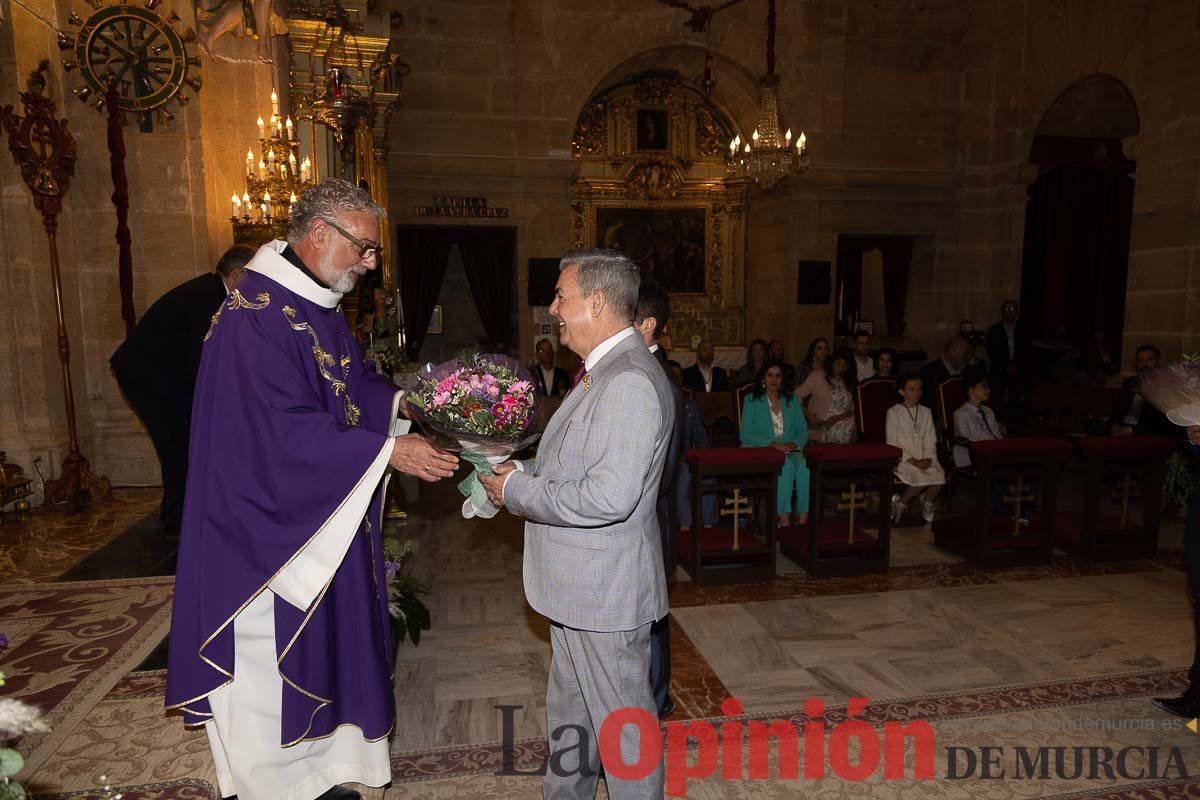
1175,391
482,405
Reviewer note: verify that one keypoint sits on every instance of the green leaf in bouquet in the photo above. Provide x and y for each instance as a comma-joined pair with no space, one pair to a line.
483,419
11,790
10,762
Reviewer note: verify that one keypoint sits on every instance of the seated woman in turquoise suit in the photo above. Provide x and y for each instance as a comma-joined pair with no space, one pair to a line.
773,417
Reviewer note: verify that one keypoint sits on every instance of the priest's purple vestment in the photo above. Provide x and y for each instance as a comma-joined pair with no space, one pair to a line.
291,436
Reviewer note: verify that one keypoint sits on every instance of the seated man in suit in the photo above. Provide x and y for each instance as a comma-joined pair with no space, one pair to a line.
703,376
974,421
1131,413
863,360
156,368
550,380
954,360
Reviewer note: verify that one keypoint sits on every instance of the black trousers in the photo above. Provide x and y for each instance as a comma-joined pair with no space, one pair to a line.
660,660
169,426
1191,550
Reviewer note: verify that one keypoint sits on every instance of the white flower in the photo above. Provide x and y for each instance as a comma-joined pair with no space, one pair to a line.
18,719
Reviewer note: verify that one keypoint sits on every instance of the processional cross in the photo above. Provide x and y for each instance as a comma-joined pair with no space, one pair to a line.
45,151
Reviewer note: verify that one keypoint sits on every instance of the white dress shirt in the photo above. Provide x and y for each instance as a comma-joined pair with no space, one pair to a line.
600,351
866,367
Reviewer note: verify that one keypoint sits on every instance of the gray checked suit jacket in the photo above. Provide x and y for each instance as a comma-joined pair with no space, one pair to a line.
593,555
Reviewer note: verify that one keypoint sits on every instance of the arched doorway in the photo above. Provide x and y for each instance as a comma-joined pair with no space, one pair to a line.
1078,216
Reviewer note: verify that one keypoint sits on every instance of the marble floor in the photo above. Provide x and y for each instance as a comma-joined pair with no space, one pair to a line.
929,627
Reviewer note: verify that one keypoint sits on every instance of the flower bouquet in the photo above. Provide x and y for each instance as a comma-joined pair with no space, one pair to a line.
1175,390
482,405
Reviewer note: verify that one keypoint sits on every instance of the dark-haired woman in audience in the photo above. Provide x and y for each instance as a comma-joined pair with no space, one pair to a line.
814,359
772,417
756,358
885,363
830,398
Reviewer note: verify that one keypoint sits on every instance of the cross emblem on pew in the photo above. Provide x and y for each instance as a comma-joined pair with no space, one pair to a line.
734,507
1125,491
1019,494
854,501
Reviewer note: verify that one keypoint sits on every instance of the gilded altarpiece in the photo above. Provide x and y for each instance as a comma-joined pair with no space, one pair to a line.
652,184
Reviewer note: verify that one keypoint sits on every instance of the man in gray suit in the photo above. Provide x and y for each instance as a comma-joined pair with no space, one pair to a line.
593,556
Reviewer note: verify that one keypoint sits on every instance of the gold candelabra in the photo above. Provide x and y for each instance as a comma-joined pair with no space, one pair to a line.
275,178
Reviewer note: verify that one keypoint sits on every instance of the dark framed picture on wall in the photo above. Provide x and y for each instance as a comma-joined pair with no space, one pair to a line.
667,243
543,277
815,283
652,129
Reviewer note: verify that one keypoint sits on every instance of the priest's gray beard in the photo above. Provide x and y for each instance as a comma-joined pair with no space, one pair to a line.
345,283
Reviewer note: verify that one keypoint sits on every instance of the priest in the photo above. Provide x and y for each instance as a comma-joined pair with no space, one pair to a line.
280,641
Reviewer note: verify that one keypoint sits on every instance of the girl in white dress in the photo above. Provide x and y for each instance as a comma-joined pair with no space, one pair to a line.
910,427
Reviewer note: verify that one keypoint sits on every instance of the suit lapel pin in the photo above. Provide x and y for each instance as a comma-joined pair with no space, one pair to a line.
587,382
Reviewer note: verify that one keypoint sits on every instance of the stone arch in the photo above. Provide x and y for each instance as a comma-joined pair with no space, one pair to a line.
629,45
1097,106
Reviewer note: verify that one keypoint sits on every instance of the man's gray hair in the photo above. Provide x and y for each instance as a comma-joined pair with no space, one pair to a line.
610,272
328,200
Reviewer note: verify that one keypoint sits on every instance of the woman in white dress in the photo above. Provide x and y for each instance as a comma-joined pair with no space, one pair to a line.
910,427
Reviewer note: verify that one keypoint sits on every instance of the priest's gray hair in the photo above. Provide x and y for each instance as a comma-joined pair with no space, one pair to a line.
328,200
610,272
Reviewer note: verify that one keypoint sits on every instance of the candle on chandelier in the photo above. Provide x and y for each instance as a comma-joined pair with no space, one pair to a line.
293,199
262,170
246,203
271,160
274,102
754,136
249,163
802,143
260,127
289,127
266,212
236,204
291,163
787,138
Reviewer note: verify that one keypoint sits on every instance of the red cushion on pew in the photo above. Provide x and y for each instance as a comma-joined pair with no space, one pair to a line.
1126,446
735,456
831,453
1032,448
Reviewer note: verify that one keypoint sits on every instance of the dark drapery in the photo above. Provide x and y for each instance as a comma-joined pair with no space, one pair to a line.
487,255
897,256
1076,253
421,255
120,199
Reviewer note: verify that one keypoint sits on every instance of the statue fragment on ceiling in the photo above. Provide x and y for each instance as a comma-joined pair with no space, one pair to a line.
257,19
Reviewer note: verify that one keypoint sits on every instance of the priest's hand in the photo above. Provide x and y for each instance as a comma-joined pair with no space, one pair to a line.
414,455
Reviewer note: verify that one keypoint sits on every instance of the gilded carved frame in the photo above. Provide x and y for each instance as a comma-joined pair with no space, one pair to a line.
689,173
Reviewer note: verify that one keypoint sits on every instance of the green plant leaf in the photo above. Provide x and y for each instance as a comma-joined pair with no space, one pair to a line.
10,762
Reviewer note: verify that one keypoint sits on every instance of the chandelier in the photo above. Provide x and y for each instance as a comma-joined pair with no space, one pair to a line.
769,156
274,179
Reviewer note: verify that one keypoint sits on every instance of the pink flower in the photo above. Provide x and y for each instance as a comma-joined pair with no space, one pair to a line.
441,398
446,384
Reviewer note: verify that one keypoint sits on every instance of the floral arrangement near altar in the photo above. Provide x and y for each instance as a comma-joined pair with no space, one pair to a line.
16,719
408,613
483,405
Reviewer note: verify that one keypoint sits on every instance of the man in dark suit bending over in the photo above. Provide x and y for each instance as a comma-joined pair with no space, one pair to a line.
156,368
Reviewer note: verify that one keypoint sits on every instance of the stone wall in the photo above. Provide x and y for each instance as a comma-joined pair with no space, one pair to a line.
180,179
496,87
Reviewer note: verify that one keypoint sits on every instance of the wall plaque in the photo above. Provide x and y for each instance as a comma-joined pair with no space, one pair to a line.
456,206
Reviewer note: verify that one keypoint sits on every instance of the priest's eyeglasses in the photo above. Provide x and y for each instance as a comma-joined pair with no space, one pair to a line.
365,249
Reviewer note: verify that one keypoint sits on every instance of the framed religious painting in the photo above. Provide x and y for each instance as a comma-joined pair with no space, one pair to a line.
652,129
667,243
